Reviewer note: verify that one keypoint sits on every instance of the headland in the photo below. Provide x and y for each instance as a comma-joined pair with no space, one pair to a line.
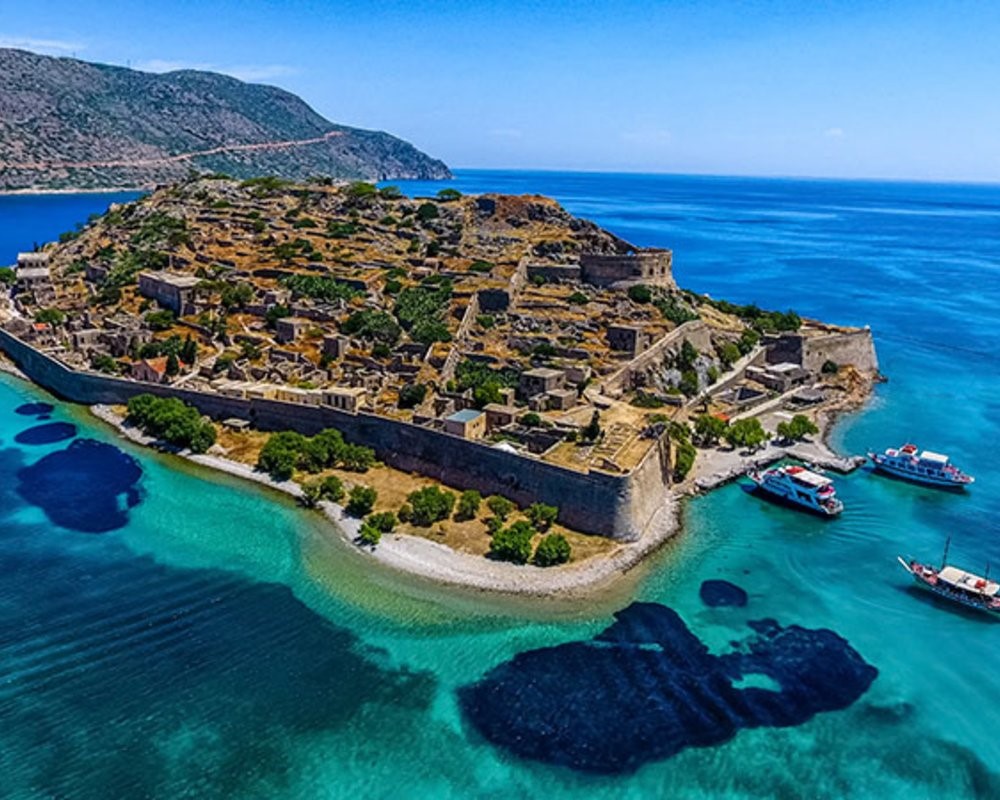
493,345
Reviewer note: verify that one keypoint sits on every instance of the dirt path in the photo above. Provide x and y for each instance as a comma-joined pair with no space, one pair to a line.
162,160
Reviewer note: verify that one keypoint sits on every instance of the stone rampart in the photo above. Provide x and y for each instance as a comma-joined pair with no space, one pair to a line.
618,506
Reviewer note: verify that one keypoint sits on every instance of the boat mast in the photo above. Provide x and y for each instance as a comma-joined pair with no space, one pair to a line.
944,555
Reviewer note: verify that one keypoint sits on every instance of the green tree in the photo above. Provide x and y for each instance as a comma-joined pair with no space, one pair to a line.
746,433
729,354
541,516
361,500
280,454
531,419
447,195
513,543
468,505
357,458
708,428
390,193
332,489
173,365
798,428
173,421
552,549
189,350
429,505
312,493
7,276
689,384
500,506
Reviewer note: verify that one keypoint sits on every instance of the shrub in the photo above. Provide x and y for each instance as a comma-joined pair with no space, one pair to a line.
102,362
689,384
318,287
412,395
429,505
427,212
513,543
7,276
481,266
369,535
173,421
592,432
640,293
578,299
830,367
447,195
390,193
468,505
332,489
51,316
357,458
361,501
384,521
729,353
552,549
486,321
684,460
531,419
373,325
500,506
541,516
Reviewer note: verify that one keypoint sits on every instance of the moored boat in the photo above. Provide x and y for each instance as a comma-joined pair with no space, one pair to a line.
927,468
956,585
797,486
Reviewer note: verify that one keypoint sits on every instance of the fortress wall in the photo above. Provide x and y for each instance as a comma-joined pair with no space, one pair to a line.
695,331
618,506
854,347
650,266
555,272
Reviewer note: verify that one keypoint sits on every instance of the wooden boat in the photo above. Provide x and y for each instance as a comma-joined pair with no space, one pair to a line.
956,585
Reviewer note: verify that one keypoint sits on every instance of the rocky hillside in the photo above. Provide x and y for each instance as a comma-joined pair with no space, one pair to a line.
70,124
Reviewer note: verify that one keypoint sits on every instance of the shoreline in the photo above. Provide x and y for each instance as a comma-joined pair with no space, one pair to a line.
416,556
108,190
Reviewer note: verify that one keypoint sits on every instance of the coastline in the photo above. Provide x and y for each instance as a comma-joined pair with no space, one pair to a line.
105,190
436,562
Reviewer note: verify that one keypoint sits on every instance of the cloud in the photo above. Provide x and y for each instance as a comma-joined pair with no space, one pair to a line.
45,46
250,73
834,133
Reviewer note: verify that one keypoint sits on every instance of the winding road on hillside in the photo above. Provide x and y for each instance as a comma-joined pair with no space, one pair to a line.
163,160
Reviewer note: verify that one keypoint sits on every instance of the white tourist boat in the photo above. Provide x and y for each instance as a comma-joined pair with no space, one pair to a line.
930,469
799,487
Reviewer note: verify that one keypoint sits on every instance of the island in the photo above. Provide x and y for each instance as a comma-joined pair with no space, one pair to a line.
449,377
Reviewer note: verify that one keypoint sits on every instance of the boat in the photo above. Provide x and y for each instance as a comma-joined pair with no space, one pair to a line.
956,585
800,487
927,468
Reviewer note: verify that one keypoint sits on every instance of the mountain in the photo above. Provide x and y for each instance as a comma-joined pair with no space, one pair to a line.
71,124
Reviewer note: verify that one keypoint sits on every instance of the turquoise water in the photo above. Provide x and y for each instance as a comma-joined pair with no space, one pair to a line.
213,641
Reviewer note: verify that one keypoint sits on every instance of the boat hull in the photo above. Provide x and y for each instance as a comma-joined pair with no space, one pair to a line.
919,480
782,500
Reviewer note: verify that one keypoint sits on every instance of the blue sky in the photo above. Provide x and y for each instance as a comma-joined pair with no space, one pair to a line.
815,88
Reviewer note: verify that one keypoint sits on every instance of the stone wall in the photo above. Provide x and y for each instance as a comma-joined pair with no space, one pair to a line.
651,266
618,506
855,347
695,331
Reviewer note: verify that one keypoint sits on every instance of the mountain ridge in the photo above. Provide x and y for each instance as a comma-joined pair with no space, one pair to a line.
66,123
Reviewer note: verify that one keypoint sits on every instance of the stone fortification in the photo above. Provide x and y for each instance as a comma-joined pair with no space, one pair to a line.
650,266
617,506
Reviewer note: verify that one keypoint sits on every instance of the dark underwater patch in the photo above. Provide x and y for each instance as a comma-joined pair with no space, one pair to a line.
87,487
715,593
49,433
34,409
646,688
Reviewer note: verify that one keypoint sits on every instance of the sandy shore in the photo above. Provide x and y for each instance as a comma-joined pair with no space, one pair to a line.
436,562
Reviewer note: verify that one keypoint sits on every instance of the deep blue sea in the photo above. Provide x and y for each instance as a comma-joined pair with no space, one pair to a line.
168,633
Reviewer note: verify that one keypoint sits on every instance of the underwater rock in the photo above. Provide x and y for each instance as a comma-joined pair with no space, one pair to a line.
647,688
87,487
49,433
715,593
